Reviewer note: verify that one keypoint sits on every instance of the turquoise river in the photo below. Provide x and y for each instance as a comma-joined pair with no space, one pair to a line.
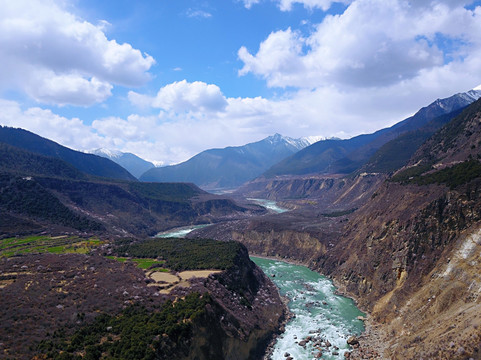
319,312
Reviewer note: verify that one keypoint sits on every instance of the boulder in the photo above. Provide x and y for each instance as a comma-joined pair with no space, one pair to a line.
353,340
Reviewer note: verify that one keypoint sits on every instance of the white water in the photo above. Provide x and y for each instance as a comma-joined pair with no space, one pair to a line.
179,232
319,312
269,204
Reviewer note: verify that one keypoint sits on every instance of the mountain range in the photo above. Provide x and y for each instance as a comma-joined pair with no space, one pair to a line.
345,156
131,162
232,166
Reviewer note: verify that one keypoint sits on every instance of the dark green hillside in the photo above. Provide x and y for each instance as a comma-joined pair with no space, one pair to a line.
396,153
39,192
87,163
26,196
464,128
185,254
17,161
453,176
176,192
451,156
134,333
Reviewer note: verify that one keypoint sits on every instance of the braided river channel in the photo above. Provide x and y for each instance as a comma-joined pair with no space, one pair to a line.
320,314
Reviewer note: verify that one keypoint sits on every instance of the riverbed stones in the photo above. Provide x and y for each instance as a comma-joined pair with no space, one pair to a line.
352,340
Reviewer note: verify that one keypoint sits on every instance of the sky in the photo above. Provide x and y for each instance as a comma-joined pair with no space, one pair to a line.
167,79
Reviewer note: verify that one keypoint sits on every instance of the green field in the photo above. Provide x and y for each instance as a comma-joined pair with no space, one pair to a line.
47,244
142,263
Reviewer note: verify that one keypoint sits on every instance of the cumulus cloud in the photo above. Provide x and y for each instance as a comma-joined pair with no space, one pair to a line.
56,57
65,89
184,97
373,43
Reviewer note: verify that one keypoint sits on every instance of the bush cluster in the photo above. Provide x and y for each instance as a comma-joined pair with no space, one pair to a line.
135,334
185,254
453,176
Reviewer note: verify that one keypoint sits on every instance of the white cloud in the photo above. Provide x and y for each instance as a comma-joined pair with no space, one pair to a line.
198,14
45,50
184,97
175,136
373,43
248,3
279,57
68,89
69,132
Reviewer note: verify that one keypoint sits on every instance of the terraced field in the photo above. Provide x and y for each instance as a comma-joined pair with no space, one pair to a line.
47,244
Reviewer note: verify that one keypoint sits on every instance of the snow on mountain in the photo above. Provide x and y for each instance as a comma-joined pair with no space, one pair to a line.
298,144
107,153
134,164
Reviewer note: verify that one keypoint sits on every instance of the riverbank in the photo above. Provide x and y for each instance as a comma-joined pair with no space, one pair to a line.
372,343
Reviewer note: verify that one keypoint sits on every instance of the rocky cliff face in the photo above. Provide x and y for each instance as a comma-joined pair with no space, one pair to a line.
393,256
246,313
328,192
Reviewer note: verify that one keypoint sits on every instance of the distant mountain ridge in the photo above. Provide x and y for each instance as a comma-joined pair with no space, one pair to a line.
131,162
333,156
232,166
87,163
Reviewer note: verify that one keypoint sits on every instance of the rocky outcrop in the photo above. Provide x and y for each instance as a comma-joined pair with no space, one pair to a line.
328,192
245,315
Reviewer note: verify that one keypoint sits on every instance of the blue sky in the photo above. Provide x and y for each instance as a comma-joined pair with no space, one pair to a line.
167,79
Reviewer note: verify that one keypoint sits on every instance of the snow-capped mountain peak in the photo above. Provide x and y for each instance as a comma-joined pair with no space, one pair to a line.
298,144
108,153
135,165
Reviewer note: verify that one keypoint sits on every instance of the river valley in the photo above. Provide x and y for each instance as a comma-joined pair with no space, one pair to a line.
319,312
